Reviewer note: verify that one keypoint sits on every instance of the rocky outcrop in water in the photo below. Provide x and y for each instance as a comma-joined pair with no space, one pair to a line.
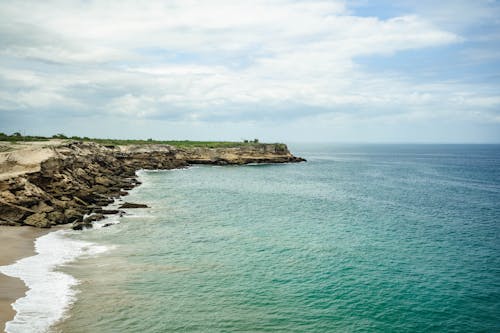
133,205
63,183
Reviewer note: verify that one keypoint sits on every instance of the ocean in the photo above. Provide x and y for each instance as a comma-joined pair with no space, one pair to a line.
361,238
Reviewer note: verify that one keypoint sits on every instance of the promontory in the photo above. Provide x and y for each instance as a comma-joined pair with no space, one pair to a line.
61,181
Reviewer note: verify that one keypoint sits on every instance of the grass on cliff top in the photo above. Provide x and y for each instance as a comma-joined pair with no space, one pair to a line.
176,143
17,137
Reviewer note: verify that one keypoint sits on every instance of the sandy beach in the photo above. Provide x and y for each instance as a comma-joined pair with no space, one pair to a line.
15,243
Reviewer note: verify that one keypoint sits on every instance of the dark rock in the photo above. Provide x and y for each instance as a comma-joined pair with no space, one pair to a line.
107,225
56,217
72,215
104,202
4,221
109,211
77,226
133,205
81,177
99,189
80,225
13,214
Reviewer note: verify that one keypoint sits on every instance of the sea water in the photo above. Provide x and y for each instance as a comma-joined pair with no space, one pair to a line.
50,292
361,238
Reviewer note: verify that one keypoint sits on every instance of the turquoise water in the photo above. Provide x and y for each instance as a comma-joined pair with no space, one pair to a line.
359,239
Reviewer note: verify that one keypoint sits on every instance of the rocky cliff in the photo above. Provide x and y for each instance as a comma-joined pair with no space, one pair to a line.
62,182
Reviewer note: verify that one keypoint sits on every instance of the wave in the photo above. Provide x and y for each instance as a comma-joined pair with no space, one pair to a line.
50,292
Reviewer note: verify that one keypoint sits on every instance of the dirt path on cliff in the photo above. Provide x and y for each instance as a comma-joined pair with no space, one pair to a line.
22,157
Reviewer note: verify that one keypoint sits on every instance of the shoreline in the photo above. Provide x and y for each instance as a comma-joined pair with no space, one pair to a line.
75,180
15,243
62,183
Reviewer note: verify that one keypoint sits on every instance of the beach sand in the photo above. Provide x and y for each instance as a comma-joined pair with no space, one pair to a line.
15,243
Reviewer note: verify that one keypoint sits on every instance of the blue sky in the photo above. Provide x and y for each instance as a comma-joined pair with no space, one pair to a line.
284,70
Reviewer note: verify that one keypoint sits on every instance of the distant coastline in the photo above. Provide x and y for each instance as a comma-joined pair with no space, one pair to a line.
60,181
45,182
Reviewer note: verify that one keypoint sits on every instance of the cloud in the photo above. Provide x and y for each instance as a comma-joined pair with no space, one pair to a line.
216,61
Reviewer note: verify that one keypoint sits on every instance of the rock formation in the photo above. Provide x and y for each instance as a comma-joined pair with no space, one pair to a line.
61,183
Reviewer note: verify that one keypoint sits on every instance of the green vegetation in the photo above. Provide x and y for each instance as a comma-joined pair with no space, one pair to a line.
177,143
15,137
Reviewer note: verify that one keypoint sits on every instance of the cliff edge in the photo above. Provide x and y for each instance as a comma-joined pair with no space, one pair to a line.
58,182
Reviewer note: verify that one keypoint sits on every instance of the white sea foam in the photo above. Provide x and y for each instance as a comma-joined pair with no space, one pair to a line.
50,292
111,219
139,173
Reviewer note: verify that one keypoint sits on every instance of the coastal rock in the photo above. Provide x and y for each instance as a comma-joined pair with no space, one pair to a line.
7,196
13,213
42,207
94,218
56,217
109,211
60,182
4,221
80,225
101,189
104,202
133,205
72,215
38,220
103,181
87,222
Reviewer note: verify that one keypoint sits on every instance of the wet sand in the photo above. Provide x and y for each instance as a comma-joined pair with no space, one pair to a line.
15,243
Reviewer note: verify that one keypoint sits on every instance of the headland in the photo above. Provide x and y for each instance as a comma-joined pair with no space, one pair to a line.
53,182
49,182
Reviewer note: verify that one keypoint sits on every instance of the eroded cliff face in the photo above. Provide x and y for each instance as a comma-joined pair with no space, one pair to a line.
60,184
271,153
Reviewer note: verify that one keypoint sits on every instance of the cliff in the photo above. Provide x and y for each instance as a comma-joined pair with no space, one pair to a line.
59,182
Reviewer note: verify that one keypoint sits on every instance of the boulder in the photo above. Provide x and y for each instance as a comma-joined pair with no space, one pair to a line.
133,205
109,211
99,189
103,181
80,225
104,202
11,213
72,215
8,222
85,195
38,220
42,207
7,196
56,217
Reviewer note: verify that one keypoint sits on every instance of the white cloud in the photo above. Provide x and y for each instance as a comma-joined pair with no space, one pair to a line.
216,60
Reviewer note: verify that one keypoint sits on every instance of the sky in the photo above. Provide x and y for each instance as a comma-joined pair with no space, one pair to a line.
278,70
